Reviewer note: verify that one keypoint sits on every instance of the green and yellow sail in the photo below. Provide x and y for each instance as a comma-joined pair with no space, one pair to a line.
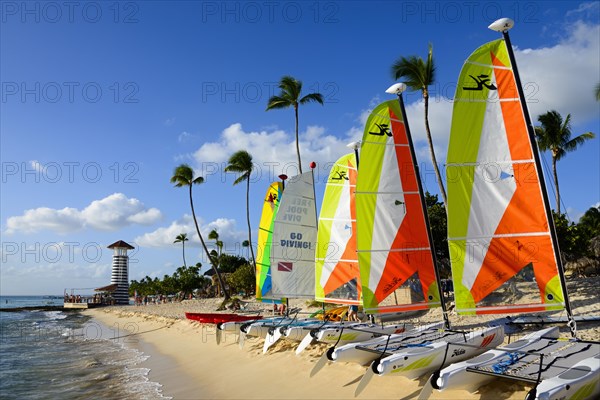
337,274
392,240
497,226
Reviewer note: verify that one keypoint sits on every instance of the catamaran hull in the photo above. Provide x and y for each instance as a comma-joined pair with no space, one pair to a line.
261,328
413,362
359,333
298,332
581,382
456,376
351,353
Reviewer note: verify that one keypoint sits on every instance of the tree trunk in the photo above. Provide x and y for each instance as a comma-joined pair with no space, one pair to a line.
555,184
183,243
212,261
431,151
297,139
248,218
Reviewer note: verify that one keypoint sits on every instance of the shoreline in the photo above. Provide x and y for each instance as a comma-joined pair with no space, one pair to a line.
185,359
187,362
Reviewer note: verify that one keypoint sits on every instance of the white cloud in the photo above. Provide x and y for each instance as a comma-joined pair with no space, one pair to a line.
275,151
184,136
563,77
164,236
110,213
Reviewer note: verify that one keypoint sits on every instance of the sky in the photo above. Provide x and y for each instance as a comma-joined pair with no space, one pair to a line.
100,101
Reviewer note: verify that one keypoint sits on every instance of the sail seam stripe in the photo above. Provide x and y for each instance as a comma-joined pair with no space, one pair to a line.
476,164
337,219
386,192
341,259
508,307
340,184
388,144
393,250
505,235
488,65
469,100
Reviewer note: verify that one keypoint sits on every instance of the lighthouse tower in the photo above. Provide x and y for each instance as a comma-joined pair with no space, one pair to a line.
120,271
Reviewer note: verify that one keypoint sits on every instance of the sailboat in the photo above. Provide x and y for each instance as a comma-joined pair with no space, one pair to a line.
400,198
265,237
263,257
394,248
337,270
501,234
395,253
292,251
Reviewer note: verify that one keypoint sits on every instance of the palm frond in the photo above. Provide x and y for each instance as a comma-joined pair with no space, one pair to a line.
276,102
312,97
242,178
291,86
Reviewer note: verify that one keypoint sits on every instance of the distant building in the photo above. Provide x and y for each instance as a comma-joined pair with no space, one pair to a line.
120,271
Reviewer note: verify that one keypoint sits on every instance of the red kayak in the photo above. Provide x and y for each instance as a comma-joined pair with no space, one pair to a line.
216,318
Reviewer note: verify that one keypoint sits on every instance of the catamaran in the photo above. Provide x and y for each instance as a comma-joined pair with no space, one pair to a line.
337,271
292,251
263,256
412,253
395,251
501,234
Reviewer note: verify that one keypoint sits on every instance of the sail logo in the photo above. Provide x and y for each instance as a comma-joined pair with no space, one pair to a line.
339,175
481,81
384,129
285,266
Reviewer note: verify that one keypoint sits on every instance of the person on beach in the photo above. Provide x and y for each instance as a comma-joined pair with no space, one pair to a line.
353,312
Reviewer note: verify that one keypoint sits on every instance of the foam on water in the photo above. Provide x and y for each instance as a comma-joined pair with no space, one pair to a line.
52,354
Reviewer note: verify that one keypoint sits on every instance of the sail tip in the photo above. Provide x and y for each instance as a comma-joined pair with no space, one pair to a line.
502,25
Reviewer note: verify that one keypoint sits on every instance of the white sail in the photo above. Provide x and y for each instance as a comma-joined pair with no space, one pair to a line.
294,240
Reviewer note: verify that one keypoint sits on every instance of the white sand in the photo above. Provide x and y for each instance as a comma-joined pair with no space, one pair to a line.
185,358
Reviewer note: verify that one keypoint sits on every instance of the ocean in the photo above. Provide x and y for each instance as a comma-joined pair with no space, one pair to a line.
56,354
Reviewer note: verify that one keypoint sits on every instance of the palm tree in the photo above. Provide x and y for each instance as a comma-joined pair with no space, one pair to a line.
290,97
598,92
419,75
184,176
241,162
554,135
182,238
214,235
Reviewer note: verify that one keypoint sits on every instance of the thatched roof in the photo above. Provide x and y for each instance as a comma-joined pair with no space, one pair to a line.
109,288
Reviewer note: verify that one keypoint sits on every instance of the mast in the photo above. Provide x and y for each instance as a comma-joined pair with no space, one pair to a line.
398,89
503,25
354,146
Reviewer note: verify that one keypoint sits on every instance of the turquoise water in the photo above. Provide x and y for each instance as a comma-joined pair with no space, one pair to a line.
66,355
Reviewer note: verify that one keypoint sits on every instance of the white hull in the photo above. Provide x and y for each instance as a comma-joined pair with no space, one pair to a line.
413,362
456,376
582,381
359,333
261,328
350,352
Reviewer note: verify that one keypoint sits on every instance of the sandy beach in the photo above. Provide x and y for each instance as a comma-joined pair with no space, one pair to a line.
186,360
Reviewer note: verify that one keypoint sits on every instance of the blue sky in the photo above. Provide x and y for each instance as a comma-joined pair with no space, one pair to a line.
102,100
